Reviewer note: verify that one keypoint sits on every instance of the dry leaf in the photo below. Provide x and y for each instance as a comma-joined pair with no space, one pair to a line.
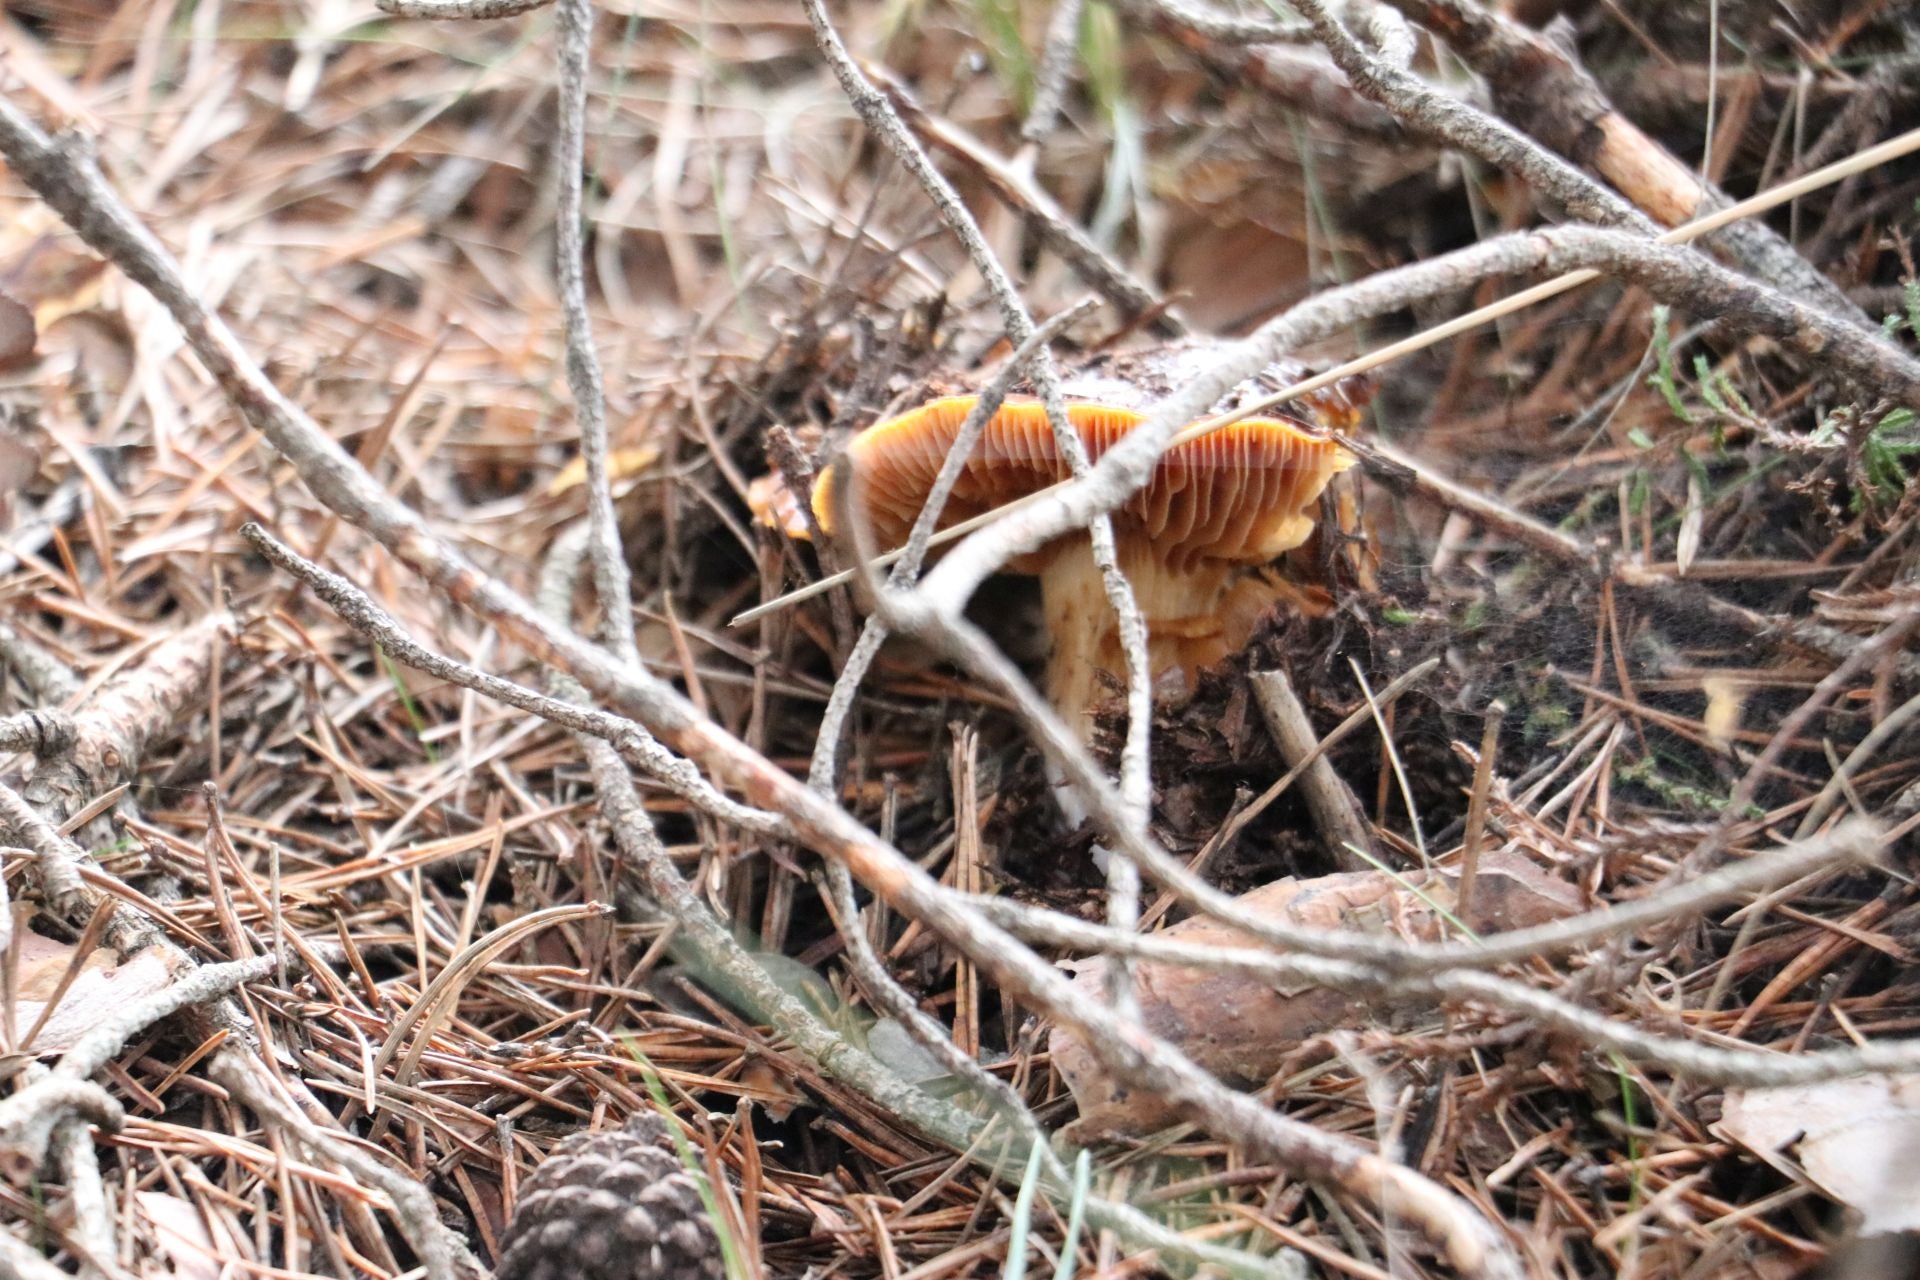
1242,1028
1857,1140
17,334
100,986
180,1235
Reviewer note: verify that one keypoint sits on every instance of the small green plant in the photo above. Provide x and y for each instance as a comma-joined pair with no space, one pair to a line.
731,1256
1880,451
1662,379
1103,54
1714,388
1630,1115
1076,1215
999,29
414,715
1675,792
1894,321
1883,455
1717,389
1546,714
1639,493
1017,1230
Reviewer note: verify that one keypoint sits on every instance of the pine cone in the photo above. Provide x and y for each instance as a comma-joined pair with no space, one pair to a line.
617,1205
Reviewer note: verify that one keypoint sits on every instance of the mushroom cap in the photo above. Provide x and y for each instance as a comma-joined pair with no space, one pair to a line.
1241,495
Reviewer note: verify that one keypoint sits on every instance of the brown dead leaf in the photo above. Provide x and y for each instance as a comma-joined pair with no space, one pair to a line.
1242,1028
19,462
1857,1140
17,334
180,1235
100,986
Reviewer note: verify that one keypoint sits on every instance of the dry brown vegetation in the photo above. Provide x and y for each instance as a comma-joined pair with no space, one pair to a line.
315,951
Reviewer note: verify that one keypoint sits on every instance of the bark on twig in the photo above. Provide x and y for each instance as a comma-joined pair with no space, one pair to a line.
28,1118
1674,275
1017,191
113,730
1538,87
357,610
1334,808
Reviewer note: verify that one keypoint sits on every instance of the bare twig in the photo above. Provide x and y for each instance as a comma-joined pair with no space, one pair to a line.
112,731
1400,471
1672,275
17,1258
1332,804
28,1118
44,733
1017,190
57,860
1139,1058
50,679
1538,87
1703,1064
1204,20
1361,715
111,734
611,579
1681,897
1877,737
710,949
479,10
1053,77
443,1254
1408,286
1460,124
74,1155
357,610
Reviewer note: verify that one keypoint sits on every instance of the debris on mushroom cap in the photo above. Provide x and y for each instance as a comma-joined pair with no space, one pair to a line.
1242,495
1140,379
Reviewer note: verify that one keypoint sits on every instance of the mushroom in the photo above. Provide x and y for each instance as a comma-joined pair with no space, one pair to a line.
1188,541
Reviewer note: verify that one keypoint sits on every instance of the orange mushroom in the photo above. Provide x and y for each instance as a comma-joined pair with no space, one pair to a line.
1215,506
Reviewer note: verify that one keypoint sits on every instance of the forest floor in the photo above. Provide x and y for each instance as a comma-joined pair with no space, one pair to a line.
319,942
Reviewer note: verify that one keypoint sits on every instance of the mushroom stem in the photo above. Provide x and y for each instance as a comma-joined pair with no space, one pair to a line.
1181,608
